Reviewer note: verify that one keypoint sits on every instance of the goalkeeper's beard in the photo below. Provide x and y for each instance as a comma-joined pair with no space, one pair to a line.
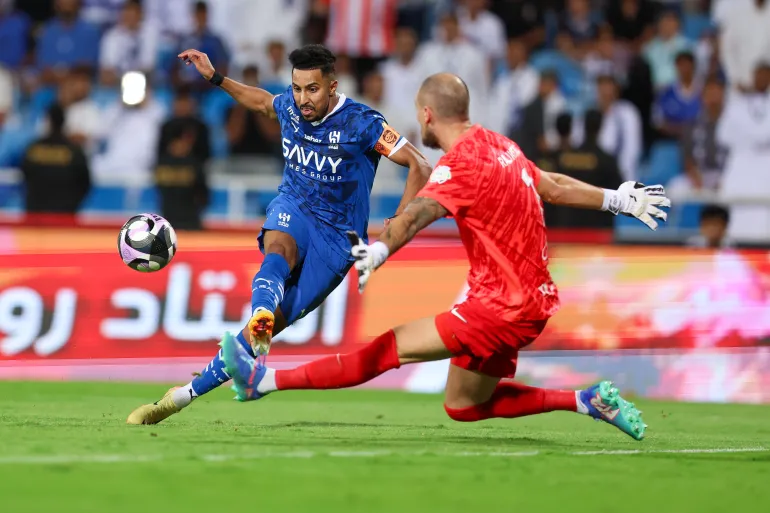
429,139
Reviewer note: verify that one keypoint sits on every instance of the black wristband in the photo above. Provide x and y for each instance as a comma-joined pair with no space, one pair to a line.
217,78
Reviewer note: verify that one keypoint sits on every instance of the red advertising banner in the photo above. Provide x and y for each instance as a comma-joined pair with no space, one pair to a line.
88,305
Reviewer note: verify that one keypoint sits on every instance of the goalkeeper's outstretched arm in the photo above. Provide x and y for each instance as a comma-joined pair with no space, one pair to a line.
631,198
253,98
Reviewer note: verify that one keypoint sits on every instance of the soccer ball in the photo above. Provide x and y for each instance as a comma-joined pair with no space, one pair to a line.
147,243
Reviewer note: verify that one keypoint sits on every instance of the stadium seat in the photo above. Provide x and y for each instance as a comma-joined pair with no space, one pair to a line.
105,199
694,26
569,72
214,107
664,163
217,203
40,101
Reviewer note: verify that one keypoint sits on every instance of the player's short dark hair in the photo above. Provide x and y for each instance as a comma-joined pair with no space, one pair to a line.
447,94
133,3
313,57
592,124
564,124
715,212
686,55
201,6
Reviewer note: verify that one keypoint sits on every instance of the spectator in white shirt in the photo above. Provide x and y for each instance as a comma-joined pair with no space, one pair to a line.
83,116
390,176
483,28
621,133
514,90
661,52
131,136
249,25
129,46
452,53
402,73
172,19
745,40
745,130
346,82
276,71
6,94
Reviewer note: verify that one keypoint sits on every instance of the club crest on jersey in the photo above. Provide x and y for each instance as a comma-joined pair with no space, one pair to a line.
440,175
334,140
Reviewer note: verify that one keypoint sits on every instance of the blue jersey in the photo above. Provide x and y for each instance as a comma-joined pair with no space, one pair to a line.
329,165
675,105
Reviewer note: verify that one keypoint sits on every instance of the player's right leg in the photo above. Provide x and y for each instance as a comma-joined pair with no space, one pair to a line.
267,289
211,377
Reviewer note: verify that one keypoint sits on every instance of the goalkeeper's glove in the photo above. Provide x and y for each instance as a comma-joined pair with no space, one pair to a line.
368,257
634,199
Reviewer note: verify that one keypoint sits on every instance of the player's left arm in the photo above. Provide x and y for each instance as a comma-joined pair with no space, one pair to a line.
419,213
631,198
419,172
398,149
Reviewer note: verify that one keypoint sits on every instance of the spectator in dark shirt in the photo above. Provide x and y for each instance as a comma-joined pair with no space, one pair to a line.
248,132
522,19
632,20
578,21
206,41
181,180
185,113
55,170
564,128
714,221
14,34
66,41
590,164
679,104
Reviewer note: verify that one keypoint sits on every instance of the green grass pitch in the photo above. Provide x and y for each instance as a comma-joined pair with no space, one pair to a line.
64,448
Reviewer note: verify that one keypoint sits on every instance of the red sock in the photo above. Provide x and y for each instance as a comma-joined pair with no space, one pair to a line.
343,370
511,400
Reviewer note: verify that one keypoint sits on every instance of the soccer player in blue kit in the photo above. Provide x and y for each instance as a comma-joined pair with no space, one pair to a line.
331,148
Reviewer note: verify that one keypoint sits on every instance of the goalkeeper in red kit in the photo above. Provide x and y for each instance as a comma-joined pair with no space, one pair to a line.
494,193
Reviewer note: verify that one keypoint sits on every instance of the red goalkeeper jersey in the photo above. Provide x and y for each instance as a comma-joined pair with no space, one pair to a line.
489,187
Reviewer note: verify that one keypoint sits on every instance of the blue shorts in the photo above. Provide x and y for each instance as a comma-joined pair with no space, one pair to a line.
320,265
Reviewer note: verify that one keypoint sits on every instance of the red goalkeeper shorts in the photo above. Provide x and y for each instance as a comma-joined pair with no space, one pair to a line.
480,341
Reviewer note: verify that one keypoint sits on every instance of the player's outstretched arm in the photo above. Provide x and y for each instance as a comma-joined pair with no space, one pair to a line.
632,198
419,213
419,172
253,98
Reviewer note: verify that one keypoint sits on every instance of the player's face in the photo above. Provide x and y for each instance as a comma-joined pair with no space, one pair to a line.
312,92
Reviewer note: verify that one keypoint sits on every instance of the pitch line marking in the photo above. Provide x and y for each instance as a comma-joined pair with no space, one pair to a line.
55,459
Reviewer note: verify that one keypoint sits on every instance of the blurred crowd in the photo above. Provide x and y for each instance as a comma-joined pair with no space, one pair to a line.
671,91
